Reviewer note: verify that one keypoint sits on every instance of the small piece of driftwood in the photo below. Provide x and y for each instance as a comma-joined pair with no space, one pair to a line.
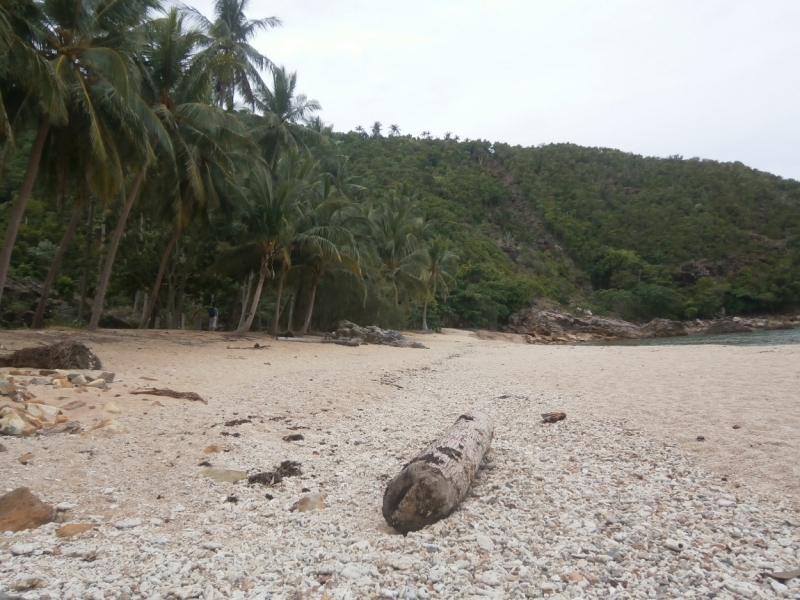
170,393
431,486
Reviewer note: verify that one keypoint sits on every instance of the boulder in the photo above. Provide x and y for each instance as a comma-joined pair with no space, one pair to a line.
662,328
373,335
727,326
21,509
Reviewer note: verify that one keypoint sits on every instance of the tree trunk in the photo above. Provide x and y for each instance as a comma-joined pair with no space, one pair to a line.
184,277
245,297
15,219
262,275
273,330
157,285
310,310
431,486
425,315
38,318
290,316
102,284
87,259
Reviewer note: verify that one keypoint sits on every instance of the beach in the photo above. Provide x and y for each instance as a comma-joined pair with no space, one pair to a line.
660,443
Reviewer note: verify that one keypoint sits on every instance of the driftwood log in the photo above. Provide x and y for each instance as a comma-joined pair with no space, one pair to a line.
431,486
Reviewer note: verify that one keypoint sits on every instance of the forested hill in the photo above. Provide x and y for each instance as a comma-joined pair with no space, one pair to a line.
600,228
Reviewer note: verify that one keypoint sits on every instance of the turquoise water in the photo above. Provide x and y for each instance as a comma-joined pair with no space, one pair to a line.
759,337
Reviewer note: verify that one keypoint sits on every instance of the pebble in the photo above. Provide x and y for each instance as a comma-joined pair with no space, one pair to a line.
23,549
485,542
127,523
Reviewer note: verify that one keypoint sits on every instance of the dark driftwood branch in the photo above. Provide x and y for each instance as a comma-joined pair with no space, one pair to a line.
431,486
170,393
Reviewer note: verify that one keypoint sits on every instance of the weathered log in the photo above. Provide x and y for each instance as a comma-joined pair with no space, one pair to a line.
431,486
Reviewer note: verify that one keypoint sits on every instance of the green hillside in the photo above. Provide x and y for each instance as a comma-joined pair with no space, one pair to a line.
621,233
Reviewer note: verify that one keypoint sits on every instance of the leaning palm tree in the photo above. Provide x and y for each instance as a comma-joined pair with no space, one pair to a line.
439,273
30,92
268,225
329,218
206,140
236,62
284,124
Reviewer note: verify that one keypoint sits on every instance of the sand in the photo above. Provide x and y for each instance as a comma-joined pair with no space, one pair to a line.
672,393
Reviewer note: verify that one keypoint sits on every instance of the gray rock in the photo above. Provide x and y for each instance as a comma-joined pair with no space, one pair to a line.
128,523
23,549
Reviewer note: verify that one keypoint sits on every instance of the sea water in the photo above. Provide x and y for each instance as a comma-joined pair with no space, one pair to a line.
758,337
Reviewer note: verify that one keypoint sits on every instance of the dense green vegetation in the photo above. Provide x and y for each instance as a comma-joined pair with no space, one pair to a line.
155,162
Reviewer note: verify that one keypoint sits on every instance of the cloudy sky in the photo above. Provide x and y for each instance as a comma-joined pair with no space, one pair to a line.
710,78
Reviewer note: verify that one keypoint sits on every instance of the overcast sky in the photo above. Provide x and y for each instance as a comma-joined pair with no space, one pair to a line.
709,78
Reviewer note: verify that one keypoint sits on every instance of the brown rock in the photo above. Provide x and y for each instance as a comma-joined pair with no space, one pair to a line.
553,417
310,502
212,449
71,529
20,510
25,458
73,405
573,577
3,448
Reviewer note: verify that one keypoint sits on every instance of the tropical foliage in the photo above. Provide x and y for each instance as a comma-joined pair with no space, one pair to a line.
154,163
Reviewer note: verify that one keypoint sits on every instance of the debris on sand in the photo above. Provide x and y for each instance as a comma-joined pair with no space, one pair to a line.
170,393
287,468
62,355
310,502
295,437
234,422
553,417
353,335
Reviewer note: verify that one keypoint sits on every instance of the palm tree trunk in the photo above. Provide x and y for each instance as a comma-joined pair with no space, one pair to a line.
273,330
22,200
312,295
38,318
87,259
176,316
157,285
290,317
102,284
262,275
247,290
425,315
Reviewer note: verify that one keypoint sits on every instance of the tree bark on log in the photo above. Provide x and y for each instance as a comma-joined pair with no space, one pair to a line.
431,486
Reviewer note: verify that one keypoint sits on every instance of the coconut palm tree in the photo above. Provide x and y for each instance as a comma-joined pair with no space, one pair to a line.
205,139
30,91
400,238
268,224
331,219
439,273
394,130
361,132
376,129
236,62
283,124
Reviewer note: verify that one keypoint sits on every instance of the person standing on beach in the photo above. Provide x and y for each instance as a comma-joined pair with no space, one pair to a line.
213,313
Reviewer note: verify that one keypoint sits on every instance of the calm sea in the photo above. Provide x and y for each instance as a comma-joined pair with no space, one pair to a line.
758,337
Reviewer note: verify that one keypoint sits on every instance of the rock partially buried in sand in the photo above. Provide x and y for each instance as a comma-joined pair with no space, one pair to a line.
112,408
15,421
21,509
212,449
223,475
62,355
310,502
43,412
25,458
106,428
71,529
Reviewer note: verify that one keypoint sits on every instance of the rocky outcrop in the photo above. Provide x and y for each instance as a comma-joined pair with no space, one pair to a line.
372,335
555,326
728,326
661,328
